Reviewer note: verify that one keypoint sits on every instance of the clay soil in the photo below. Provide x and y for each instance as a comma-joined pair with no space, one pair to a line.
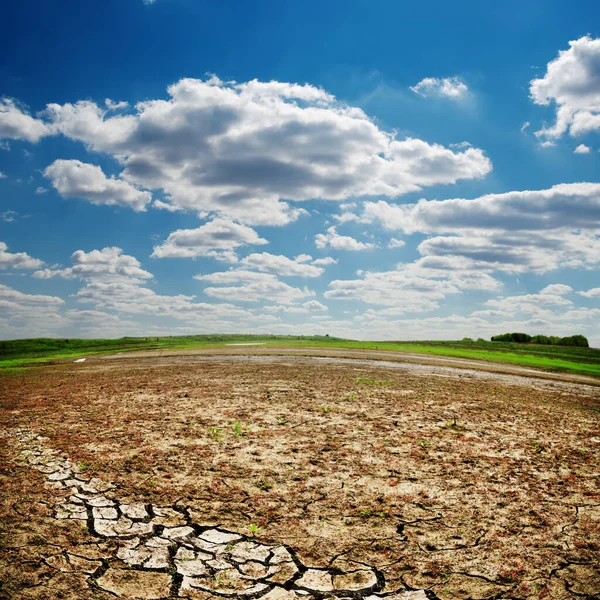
466,486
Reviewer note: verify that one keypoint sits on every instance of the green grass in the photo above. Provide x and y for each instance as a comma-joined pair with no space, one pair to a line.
19,354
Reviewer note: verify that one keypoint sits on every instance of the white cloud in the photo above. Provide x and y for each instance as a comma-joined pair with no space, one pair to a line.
572,83
394,243
17,124
558,289
302,258
281,265
129,298
593,293
582,149
75,179
533,231
327,260
536,304
251,287
447,87
2,175
112,105
246,149
217,238
310,307
19,260
525,126
8,294
9,216
336,241
40,190
393,288
108,264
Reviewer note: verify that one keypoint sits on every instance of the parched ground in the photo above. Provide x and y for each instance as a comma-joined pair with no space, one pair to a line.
465,486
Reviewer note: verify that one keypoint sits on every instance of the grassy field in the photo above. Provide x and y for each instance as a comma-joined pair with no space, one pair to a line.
17,354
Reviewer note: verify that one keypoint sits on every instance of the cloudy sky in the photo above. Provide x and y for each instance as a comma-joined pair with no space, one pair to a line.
374,170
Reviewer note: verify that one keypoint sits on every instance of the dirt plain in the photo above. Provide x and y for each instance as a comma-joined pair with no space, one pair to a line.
465,484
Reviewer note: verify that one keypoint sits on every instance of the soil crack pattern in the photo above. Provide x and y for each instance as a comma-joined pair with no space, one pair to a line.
169,556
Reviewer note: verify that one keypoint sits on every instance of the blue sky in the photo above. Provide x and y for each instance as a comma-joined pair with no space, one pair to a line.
375,170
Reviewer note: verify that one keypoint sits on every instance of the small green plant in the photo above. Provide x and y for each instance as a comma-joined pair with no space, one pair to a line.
265,486
281,420
253,529
424,443
84,466
325,409
238,428
216,434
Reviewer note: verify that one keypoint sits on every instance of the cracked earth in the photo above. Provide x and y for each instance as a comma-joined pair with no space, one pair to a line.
285,478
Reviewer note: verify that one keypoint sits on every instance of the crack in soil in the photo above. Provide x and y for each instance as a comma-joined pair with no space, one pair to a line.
170,556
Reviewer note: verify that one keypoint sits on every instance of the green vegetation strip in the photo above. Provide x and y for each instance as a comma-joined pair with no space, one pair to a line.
19,354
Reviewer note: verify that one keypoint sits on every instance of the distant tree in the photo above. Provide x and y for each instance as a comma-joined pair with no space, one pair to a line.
547,340
503,337
520,338
575,340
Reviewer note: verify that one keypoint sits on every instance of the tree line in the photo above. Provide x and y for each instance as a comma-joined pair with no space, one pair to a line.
547,340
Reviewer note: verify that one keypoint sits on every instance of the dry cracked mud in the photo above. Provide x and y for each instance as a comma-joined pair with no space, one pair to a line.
296,478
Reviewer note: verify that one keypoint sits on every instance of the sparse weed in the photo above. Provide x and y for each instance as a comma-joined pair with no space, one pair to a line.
216,434
238,428
253,529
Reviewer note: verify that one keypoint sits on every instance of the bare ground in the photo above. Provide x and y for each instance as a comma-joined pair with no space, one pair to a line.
468,485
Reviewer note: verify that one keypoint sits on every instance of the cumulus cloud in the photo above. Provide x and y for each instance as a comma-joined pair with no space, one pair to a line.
529,303
76,179
572,84
326,260
582,149
18,260
249,286
447,87
310,307
593,293
281,265
336,241
130,298
108,264
521,231
8,294
393,288
17,124
217,238
246,150
395,243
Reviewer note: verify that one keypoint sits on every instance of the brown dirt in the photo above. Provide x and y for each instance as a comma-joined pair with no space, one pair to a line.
467,485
